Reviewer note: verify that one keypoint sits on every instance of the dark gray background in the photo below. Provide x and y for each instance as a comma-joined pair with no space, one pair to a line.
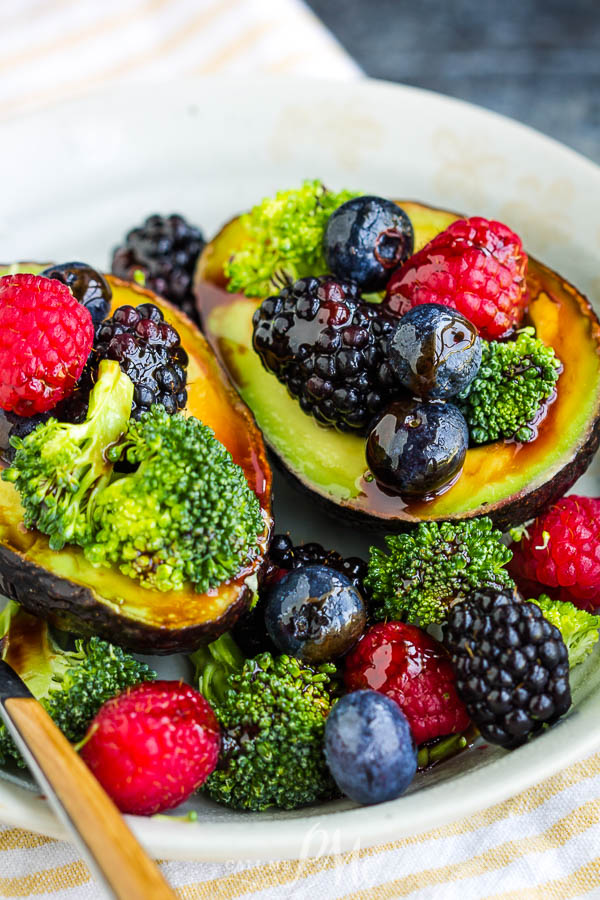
535,60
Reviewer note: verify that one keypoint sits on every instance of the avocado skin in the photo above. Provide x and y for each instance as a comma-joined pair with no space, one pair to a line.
79,609
74,607
504,514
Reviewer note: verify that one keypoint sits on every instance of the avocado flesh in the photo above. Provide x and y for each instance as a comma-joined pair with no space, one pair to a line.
508,481
65,588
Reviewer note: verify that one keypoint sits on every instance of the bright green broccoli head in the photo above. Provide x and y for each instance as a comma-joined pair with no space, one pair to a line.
59,467
515,380
72,684
184,514
285,239
578,627
272,713
425,572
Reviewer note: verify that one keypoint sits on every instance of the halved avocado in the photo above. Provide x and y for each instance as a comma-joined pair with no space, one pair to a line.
508,481
66,589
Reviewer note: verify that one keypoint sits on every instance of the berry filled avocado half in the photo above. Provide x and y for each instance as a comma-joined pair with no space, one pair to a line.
76,590
508,476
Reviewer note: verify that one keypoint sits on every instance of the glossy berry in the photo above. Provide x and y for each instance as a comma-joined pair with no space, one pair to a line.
87,285
416,448
475,266
435,351
412,669
45,340
152,746
369,747
163,251
512,667
330,350
149,350
315,614
284,555
560,553
249,631
366,238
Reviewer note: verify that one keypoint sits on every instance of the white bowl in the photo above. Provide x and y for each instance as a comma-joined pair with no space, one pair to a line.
76,177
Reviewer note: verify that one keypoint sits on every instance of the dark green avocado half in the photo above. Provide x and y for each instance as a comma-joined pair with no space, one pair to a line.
66,589
505,480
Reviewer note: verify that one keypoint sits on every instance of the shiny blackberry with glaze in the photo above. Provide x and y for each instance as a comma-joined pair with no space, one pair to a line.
511,665
149,350
330,350
165,250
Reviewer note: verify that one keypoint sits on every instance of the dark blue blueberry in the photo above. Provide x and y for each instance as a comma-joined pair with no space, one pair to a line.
315,614
435,351
87,285
417,447
369,747
366,239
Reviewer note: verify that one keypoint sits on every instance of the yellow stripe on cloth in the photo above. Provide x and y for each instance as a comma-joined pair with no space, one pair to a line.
557,835
17,839
583,880
43,882
272,875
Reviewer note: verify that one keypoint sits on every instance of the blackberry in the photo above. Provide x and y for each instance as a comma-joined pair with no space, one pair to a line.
165,250
512,668
148,349
330,350
283,556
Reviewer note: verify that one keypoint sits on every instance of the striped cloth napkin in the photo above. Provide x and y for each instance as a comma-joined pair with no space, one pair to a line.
541,844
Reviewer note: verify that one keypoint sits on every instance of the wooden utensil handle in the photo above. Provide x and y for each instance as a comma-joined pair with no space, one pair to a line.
129,873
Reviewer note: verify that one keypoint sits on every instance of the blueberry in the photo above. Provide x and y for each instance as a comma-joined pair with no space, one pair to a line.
369,747
435,351
314,613
366,239
417,447
87,285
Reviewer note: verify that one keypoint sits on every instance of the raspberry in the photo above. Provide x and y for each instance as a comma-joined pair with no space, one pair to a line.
329,348
475,266
45,339
561,553
152,746
413,669
512,667
165,250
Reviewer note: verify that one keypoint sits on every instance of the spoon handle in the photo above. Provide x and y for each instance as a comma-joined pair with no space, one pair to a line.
112,851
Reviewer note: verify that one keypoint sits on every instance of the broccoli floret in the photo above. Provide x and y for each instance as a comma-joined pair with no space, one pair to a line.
72,684
272,713
59,467
514,381
425,572
284,239
578,627
186,512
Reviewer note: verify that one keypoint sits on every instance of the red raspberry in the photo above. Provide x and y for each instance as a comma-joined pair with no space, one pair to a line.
477,267
561,553
45,339
152,746
413,669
